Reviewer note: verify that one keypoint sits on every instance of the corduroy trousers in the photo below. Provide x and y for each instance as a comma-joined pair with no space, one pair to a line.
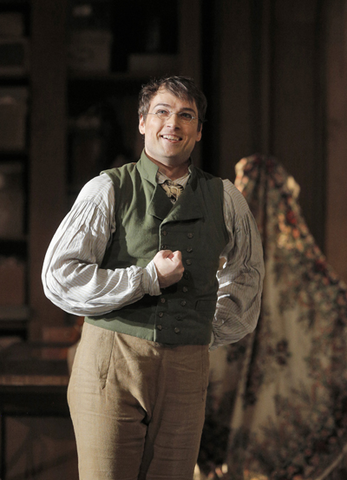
137,407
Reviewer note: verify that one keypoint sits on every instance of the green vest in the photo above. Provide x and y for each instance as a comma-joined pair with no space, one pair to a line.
146,221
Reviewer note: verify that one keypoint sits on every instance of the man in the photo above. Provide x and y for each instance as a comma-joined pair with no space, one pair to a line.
139,258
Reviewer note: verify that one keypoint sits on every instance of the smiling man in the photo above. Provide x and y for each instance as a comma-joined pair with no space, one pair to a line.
171,128
138,255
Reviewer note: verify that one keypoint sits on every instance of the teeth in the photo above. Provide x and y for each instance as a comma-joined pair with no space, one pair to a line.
169,137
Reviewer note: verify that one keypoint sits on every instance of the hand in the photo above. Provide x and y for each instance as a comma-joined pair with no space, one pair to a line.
169,267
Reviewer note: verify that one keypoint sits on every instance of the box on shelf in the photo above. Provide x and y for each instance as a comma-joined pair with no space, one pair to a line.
14,56
12,281
11,200
90,15
66,336
8,340
152,62
90,50
13,114
85,149
11,24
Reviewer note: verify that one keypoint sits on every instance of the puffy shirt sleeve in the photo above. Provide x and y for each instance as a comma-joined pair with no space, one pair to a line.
71,274
242,273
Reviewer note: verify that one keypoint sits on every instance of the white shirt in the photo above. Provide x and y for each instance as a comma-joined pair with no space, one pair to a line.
73,280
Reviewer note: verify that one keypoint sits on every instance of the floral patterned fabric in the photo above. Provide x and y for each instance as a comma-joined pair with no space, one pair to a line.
277,404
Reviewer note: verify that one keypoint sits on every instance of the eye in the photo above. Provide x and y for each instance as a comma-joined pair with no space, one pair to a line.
162,112
186,116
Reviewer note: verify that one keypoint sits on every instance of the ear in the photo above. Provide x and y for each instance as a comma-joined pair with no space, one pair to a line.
142,125
199,135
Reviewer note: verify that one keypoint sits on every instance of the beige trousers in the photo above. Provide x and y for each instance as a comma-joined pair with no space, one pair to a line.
137,407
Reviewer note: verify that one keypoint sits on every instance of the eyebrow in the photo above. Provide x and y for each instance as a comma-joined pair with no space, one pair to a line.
169,106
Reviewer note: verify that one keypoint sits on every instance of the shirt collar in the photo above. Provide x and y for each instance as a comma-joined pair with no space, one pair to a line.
161,177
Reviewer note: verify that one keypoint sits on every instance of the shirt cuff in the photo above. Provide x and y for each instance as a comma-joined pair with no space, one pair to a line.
150,280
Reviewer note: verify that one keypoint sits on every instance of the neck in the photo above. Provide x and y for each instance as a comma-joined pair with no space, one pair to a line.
172,171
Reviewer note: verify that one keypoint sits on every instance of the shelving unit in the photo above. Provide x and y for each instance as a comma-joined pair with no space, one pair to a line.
62,92
14,163
159,40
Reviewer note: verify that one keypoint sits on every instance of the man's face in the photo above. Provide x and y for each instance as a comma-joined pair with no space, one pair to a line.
169,141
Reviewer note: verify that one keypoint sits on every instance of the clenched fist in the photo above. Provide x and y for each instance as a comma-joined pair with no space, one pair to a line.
169,267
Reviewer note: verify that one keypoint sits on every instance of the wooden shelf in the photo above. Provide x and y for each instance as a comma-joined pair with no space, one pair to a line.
71,93
14,313
13,155
94,86
114,77
14,3
12,80
14,246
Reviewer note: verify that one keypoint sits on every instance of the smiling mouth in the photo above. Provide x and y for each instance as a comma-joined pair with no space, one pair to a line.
171,138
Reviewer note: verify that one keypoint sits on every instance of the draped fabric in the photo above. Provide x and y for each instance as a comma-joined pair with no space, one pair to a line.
277,404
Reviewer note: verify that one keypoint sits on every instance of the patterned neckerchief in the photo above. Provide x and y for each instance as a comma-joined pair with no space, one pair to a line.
173,189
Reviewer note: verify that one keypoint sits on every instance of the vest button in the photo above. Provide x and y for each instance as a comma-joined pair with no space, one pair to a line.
189,250
177,330
190,235
188,262
162,300
159,327
185,289
164,233
161,314
183,303
163,247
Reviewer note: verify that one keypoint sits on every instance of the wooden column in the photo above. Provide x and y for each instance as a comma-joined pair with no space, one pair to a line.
190,49
47,193
235,85
297,104
336,219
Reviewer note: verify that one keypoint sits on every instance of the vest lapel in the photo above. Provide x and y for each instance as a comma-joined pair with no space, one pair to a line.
160,204
187,207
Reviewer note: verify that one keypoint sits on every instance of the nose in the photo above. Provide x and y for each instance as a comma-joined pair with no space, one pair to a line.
173,119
